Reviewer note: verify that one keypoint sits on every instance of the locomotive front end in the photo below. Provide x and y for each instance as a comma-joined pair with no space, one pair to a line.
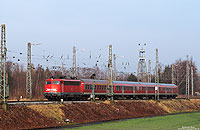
52,89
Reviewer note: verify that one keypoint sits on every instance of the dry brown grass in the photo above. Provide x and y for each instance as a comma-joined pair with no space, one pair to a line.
180,105
50,110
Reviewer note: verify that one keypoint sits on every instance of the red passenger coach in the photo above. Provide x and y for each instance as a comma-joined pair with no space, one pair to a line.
56,89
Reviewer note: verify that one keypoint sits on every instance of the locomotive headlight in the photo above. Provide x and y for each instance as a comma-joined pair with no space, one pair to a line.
55,90
52,90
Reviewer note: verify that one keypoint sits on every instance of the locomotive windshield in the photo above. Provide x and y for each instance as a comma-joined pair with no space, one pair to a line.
56,82
48,82
72,83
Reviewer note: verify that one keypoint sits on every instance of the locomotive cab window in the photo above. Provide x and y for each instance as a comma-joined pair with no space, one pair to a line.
48,82
56,82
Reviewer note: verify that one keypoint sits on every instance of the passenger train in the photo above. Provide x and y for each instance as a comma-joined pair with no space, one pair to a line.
68,89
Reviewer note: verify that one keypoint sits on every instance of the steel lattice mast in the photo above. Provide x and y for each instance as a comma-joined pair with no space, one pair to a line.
173,78
109,82
3,82
187,79
28,73
192,80
74,63
142,69
114,69
149,71
157,77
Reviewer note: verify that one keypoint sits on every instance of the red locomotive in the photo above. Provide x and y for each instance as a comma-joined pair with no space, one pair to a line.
56,89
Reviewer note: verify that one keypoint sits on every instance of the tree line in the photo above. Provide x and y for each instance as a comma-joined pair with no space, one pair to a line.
17,77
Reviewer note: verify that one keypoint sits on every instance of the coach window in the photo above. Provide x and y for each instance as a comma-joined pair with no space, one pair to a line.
56,82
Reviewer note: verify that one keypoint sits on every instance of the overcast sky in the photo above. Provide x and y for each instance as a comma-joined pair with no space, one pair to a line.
172,26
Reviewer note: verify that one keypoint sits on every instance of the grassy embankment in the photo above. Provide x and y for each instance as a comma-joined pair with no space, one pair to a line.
170,122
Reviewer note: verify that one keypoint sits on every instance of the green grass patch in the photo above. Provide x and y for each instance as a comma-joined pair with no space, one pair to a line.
169,122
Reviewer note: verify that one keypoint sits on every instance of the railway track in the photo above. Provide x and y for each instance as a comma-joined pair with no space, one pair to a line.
69,102
43,102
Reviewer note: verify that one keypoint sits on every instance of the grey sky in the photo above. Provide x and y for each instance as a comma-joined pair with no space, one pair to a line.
172,26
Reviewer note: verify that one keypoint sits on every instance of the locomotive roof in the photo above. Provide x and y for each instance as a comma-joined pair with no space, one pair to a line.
96,81
141,83
124,82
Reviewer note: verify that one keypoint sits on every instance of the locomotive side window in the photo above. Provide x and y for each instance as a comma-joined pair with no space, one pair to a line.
71,83
48,82
56,82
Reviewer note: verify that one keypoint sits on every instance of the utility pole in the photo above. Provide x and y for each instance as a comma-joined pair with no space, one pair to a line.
3,81
149,71
28,73
173,78
192,80
74,63
187,80
110,82
142,69
157,77
114,69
